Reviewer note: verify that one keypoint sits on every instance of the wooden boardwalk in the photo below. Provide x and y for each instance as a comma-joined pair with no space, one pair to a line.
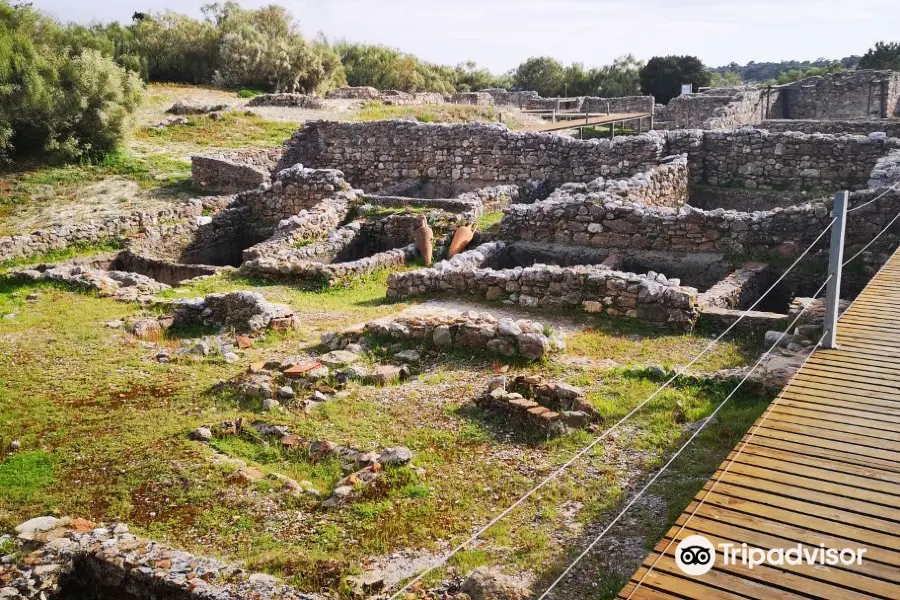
575,123
820,466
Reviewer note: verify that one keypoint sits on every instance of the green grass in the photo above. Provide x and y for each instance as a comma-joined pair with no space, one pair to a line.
114,425
231,130
24,476
71,251
437,113
26,181
628,342
249,92
490,221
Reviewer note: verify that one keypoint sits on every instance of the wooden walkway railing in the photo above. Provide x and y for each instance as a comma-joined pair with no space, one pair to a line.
820,466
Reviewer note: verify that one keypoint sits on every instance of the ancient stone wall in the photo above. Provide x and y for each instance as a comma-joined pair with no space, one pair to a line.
748,157
852,127
603,221
296,189
622,104
385,154
504,97
886,171
234,171
473,98
720,108
663,185
291,100
595,287
353,93
845,95
43,241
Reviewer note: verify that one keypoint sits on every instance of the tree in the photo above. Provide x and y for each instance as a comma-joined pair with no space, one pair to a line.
621,78
882,56
543,74
798,74
724,80
663,76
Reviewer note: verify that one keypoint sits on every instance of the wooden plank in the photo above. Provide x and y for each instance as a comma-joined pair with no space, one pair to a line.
820,466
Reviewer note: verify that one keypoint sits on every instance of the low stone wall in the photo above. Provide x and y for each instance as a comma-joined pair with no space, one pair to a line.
473,330
382,154
159,269
294,190
473,98
886,171
75,558
503,97
850,127
43,241
289,100
244,311
738,289
602,221
353,93
595,287
234,171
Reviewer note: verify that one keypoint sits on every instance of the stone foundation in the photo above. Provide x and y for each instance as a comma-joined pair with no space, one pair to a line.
596,288
550,407
244,311
472,330
289,100
234,171
69,559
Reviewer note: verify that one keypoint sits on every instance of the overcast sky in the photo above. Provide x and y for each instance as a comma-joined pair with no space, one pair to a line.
500,34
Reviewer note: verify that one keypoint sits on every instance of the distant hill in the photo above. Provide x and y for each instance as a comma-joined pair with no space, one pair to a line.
766,71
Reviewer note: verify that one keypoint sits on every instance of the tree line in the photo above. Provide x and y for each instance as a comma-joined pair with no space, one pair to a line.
67,90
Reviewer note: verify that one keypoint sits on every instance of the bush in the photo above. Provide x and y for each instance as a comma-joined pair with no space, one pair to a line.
56,102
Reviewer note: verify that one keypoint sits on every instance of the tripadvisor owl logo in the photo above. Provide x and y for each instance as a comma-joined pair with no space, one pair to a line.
695,555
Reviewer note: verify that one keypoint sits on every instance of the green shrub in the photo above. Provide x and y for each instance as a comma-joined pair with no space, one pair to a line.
56,103
249,93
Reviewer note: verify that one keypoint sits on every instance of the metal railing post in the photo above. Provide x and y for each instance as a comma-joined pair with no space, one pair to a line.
835,261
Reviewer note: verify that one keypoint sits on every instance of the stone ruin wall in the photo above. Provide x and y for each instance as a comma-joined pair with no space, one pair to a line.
504,97
719,109
289,100
846,95
384,154
601,220
234,171
294,190
832,127
596,288
43,241
623,104
755,158
663,185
